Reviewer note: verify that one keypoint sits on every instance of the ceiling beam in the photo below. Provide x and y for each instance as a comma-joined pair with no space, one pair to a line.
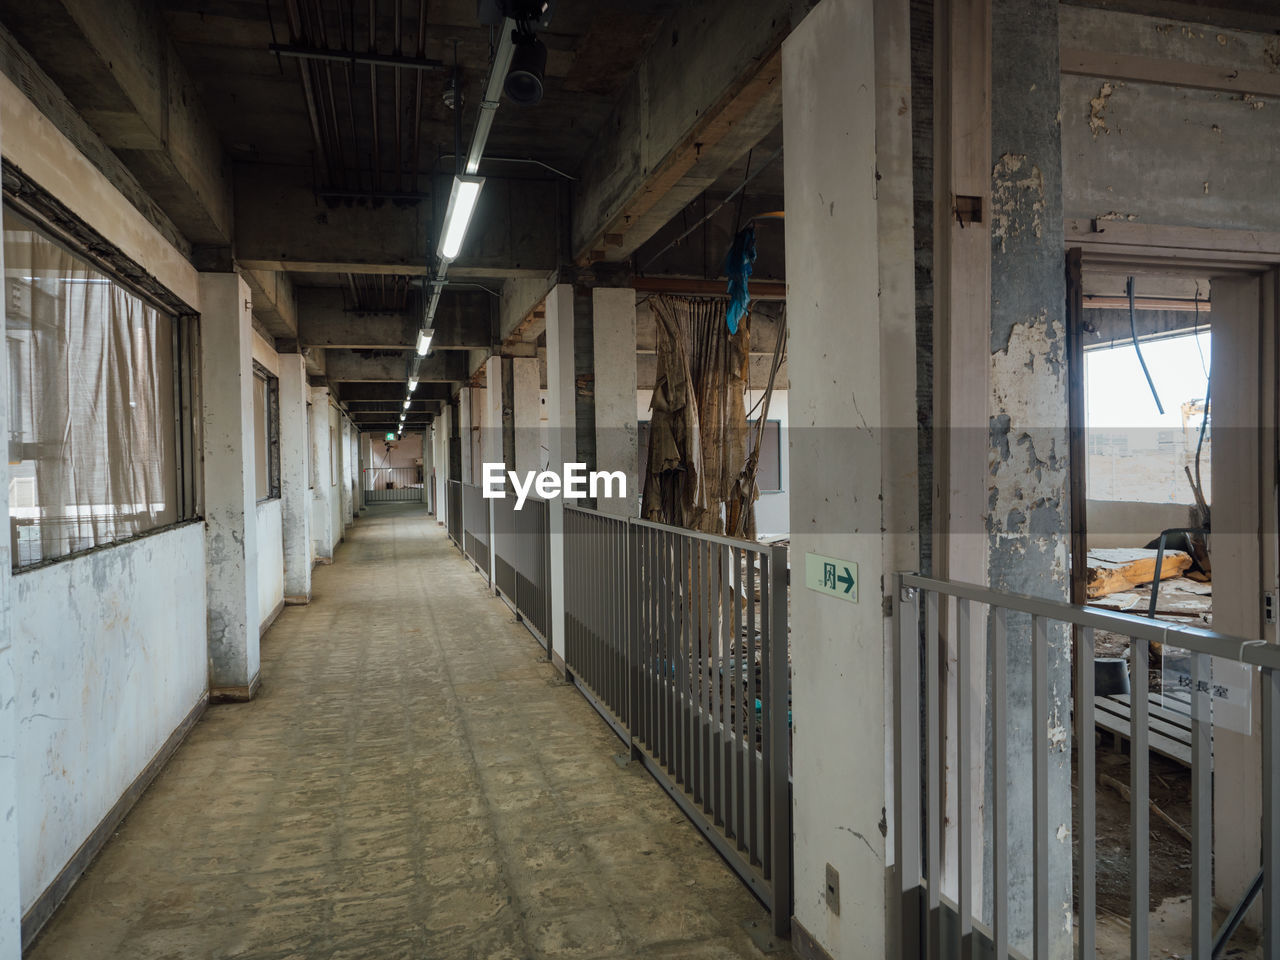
382,391
273,302
118,68
386,366
282,225
1075,61
688,113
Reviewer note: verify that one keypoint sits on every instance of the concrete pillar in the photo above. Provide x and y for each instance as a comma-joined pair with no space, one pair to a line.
491,415
464,432
428,462
617,432
851,365
10,895
1027,473
230,492
322,494
440,432
295,492
526,376
561,436
346,471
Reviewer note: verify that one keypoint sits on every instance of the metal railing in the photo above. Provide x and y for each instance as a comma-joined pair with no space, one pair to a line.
680,641
475,527
392,484
522,562
453,511
942,909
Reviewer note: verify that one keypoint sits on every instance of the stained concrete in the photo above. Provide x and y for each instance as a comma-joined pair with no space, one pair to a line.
414,780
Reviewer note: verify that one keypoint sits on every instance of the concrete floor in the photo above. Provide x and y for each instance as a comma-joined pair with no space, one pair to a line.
414,781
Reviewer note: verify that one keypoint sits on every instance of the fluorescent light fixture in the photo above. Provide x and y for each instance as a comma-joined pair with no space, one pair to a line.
402,416
406,404
413,385
457,216
424,344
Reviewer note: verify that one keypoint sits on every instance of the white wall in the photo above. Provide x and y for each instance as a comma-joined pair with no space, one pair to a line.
335,479
407,452
270,519
1122,523
110,658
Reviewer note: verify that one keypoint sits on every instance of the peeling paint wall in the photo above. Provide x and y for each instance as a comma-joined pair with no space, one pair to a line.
1028,524
1149,153
109,657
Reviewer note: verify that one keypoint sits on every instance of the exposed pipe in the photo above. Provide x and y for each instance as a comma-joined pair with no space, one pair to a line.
373,98
1133,330
417,110
295,31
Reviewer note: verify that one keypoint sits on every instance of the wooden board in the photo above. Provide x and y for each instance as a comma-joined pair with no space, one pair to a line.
1123,568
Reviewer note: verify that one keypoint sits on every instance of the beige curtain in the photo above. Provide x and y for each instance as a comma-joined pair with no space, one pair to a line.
92,442
698,428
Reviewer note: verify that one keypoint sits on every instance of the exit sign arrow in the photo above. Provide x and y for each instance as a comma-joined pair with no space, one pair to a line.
832,576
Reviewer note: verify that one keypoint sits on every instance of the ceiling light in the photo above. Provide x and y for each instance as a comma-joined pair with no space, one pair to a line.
528,68
424,344
406,404
457,216
413,385
402,416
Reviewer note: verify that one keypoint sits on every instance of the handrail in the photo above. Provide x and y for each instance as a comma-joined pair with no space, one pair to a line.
1255,652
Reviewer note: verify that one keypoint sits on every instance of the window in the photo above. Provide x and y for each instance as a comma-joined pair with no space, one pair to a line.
266,433
96,445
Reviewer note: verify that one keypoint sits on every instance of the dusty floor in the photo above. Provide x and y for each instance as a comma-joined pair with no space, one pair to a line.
414,781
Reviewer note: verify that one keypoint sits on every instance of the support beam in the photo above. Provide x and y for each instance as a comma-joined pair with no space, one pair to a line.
274,303
282,225
464,320
295,478
343,365
697,103
614,347
356,393
117,66
562,445
230,506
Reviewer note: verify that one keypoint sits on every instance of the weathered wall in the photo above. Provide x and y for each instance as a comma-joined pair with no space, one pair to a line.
321,514
110,657
336,480
35,145
1162,154
1027,520
270,520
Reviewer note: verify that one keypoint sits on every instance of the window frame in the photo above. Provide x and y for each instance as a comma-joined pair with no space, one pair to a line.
59,226
272,383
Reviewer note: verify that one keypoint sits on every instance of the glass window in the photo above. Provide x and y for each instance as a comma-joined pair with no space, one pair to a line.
93,431
266,433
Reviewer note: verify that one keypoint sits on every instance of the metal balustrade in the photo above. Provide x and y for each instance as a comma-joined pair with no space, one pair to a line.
984,626
522,562
392,484
680,641
453,511
475,527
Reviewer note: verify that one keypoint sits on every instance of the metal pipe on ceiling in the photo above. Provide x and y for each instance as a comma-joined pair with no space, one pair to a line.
373,98
295,32
417,110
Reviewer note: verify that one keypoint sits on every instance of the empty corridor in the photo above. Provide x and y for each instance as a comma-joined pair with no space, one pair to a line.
414,780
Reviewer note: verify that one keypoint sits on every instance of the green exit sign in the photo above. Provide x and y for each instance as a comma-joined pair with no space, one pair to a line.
391,438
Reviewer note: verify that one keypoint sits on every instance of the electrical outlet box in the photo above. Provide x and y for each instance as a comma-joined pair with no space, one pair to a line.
1269,606
833,889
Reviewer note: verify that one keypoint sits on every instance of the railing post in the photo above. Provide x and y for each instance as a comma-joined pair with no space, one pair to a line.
1270,813
780,735
906,767
631,576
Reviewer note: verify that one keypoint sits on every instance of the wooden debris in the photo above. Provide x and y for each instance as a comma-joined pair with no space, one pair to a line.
1121,569
1160,815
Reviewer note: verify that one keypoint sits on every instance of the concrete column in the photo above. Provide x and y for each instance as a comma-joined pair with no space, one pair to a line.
617,432
464,432
526,376
10,895
345,471
1026,474
561,434
428,461
491,414
226,334
851,365
295,493
322,494
440,433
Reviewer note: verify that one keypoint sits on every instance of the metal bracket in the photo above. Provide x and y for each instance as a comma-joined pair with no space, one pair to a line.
1269,607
